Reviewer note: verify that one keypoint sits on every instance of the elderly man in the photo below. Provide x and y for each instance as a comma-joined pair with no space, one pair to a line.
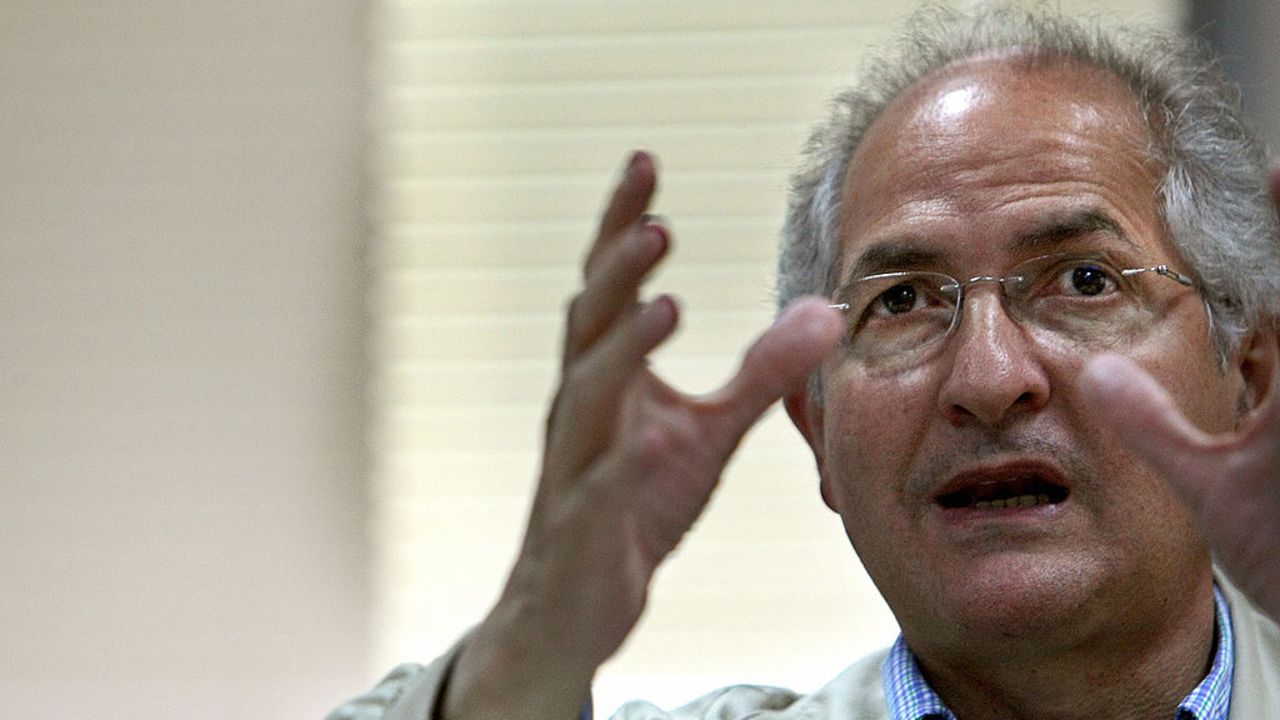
1048,266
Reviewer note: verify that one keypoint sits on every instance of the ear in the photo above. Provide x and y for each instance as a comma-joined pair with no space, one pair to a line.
806,414
1257,361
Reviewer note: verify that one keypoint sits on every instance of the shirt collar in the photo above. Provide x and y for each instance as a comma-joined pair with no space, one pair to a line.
910,698
905,689
1211,700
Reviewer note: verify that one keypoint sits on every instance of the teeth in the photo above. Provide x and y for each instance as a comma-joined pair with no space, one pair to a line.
1013,502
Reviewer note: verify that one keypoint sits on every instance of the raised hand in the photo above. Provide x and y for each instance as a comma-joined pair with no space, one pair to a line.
628,467
1231,482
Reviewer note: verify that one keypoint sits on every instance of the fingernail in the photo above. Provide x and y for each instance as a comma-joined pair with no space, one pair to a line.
659,312
649,238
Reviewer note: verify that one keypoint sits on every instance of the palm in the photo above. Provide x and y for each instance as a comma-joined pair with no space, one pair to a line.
1230,482
1239,506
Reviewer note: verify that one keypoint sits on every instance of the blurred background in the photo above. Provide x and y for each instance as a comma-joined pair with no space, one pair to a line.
280,286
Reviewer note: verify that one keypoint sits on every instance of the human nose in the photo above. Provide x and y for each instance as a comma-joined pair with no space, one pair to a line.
995,371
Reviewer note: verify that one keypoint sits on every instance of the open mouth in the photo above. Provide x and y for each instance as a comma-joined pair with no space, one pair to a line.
1020,491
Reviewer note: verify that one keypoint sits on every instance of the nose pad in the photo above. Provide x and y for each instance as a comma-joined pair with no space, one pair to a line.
995,368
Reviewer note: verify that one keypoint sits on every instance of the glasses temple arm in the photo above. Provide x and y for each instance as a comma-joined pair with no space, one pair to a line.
1164,270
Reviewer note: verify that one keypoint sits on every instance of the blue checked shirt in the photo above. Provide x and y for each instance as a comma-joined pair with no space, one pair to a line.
911,698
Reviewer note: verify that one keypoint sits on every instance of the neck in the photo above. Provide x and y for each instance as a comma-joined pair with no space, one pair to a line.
1125,670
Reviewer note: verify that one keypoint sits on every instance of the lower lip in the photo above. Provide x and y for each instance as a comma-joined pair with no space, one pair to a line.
1032,514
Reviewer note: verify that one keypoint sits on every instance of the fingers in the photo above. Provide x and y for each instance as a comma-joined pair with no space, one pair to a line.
625,249
612,289
629,201
607,368
1143,415
590,395
779,361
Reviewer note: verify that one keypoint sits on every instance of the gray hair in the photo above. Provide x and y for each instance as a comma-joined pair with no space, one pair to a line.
1212,197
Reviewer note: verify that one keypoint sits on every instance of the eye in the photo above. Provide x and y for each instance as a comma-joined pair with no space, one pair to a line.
1073,278
896,300
1090,280
899,299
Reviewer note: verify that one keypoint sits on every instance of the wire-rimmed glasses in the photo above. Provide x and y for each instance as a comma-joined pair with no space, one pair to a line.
896,319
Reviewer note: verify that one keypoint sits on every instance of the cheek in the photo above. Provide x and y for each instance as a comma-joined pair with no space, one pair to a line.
873,430
1139,507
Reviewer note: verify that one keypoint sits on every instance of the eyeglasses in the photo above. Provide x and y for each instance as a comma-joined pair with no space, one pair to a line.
896,319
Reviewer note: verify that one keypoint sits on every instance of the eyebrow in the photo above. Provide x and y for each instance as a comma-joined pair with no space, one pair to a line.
905,252
1064,228
893,254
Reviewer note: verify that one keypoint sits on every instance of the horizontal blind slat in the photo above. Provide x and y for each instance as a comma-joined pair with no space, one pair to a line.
595,104
444,63
425,20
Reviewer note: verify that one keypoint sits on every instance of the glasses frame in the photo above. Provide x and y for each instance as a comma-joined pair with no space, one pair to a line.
1162,270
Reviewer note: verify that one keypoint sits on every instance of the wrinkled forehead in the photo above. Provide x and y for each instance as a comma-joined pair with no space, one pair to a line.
992,140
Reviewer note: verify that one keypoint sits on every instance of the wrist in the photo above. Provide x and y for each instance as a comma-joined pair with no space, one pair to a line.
512,667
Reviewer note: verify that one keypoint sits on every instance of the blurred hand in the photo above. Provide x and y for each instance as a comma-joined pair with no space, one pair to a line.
628,467
1231,482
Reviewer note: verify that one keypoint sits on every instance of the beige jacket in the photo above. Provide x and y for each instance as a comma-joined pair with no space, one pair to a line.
410,691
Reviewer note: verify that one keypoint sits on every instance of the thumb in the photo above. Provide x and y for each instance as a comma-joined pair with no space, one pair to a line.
1140,412
781,359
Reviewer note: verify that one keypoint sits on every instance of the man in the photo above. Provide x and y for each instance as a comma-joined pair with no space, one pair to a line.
1050,265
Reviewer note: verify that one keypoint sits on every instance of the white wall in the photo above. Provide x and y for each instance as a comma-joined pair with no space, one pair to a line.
181,493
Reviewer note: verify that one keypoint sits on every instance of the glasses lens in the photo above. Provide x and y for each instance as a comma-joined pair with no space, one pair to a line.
893,316
1081,299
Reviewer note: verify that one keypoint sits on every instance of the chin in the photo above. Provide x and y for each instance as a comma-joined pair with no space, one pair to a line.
1008,596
